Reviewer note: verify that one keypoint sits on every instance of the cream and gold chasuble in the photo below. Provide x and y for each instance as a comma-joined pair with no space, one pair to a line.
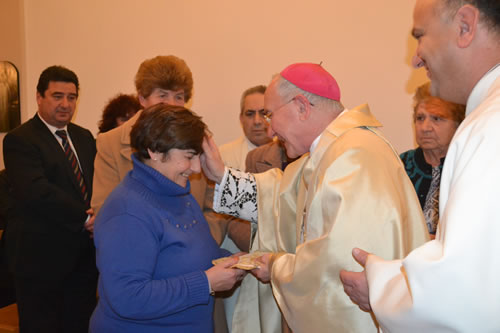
351,191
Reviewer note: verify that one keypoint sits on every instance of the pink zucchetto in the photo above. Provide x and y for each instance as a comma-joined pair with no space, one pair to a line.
312,78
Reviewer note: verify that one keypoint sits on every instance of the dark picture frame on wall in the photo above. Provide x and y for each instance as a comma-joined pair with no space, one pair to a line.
10,110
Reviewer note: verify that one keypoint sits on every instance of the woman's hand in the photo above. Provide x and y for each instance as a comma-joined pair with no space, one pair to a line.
211,161
223,277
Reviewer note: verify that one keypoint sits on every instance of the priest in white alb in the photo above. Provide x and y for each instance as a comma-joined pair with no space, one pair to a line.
450,284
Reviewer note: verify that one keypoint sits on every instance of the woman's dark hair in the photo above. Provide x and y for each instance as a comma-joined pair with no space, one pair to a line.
124,106
162,127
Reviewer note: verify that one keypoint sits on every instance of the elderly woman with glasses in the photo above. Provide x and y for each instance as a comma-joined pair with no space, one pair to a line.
435,123
154,247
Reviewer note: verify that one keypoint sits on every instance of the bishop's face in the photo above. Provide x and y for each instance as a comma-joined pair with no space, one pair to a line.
284,122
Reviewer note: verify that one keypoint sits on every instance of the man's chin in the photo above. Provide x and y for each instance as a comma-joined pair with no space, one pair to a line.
290,152
428,145
261,141
64,118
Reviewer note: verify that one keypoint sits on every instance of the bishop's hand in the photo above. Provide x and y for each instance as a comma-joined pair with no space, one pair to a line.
211,161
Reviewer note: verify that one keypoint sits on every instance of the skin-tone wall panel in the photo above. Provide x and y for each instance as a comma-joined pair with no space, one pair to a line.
229,45
12,49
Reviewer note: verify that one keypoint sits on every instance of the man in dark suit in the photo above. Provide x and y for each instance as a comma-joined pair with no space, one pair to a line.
51,177
7,291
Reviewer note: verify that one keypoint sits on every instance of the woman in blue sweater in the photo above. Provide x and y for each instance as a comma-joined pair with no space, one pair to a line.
154,247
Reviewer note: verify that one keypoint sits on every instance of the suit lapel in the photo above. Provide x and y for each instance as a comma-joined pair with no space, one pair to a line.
262,166
271,158
46,136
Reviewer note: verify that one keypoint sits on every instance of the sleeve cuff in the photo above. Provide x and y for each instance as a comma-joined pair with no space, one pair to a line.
199,287
218,191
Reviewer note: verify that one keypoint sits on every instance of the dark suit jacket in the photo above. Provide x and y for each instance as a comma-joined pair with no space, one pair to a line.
7,293
50,237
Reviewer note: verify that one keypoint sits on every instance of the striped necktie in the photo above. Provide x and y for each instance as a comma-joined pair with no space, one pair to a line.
70,156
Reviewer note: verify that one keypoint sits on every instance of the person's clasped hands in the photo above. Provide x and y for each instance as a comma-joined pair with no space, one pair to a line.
223,276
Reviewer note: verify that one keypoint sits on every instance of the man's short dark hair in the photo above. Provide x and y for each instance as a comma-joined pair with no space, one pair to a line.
260,89
56,74
489,9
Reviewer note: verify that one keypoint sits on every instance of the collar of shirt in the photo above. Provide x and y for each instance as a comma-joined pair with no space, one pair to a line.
53,129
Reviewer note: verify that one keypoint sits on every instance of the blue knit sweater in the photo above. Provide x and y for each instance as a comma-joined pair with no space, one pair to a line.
153,245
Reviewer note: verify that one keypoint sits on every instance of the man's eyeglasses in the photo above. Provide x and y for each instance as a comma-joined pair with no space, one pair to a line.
267,114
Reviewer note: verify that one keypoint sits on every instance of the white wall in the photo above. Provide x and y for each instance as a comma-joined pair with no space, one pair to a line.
229,46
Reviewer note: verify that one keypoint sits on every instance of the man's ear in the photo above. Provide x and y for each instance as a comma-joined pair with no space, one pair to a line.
38,98
142,100
467,18
304,107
